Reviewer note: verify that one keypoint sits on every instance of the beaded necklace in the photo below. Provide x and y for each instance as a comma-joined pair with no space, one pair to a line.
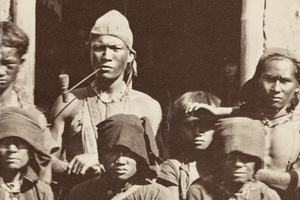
242,194
116,98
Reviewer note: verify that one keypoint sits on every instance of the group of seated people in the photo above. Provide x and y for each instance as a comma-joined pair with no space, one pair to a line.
101,143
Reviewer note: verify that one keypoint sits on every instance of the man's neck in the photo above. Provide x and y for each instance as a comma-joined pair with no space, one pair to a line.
273,112
109,86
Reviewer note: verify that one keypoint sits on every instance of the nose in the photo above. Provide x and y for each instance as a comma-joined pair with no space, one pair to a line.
12,148
107,54
198,131
276,86
120,161
238,162
2,70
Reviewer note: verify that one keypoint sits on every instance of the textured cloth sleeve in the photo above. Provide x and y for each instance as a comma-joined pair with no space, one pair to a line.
195,192
268,193
86,190
44,191
152,191
169,172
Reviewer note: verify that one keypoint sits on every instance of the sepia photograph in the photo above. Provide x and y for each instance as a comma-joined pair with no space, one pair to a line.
149,100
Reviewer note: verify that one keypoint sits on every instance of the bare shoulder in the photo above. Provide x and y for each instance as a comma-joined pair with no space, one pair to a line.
143,98
75,100
145,106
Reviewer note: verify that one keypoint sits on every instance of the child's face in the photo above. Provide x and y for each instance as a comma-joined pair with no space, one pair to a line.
9,68
198,133
14,153
240,167
120,163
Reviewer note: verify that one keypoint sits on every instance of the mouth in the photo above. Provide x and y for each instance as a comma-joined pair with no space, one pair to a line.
199,140
120,171
237,173
105,67
12,159
276,99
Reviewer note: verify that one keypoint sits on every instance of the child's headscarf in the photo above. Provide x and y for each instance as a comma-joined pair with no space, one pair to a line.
17,122
240,134
129,131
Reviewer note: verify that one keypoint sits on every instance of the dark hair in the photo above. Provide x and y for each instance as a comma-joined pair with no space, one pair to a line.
13,36
274,56
178,115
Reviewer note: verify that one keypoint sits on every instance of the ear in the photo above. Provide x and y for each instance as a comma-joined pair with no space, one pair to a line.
297,89
21,63
130,57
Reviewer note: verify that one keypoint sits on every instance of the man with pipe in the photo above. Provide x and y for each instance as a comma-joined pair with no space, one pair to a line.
74,122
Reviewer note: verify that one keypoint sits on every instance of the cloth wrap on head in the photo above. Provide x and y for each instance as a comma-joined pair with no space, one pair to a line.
241,134
129,131
249,89
115,24
17,122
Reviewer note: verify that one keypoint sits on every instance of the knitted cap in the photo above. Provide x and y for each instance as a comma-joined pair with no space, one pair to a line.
115,24
241,134
129,131
17,122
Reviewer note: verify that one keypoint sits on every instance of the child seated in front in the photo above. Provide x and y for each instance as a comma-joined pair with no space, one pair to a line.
22,157
190,140
242,141
127,150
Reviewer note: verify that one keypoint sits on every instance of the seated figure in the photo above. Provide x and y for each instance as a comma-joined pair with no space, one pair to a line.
128,152
241,141
22,157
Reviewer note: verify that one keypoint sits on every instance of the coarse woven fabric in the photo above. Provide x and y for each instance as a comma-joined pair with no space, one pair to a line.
241,134
18,122
115,24
129,131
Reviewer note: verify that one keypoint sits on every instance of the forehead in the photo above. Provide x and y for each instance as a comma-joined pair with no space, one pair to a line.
279,66
9,52
108,40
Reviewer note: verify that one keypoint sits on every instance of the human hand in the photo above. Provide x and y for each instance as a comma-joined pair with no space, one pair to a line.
82,163
202,107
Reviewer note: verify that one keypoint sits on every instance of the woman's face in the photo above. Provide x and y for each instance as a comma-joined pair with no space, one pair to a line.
278,83
120,163
198,133
14,153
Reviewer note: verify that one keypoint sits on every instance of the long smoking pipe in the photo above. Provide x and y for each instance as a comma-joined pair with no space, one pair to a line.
64,80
